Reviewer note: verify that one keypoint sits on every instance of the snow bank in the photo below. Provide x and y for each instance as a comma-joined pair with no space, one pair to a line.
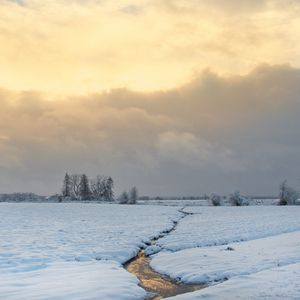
276,284
220,225
202,265
72,281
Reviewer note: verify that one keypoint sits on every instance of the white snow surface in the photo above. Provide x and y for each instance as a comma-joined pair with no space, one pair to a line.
51,250
274,284
256,248
105,280
207,264
75,251
211,226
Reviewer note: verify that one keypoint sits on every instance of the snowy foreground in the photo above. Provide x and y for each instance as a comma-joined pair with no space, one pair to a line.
243,253
76,251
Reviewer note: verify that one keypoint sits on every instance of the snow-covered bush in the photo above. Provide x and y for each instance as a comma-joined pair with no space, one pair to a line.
123,198
237,200
215,199
287,195
133,196
128,198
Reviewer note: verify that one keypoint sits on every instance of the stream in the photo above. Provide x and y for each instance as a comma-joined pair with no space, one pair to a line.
159,286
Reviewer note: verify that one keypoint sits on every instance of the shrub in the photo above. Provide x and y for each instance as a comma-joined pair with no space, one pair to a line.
237,200
287,195
215,200
123,198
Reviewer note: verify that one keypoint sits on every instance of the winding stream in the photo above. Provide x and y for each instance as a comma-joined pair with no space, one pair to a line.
159,286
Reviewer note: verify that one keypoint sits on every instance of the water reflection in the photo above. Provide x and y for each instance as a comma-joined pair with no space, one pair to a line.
154,282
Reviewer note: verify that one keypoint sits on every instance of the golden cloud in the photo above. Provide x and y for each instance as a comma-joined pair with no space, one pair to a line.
83,47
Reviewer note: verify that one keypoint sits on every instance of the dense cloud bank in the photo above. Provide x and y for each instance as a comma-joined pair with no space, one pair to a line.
213,134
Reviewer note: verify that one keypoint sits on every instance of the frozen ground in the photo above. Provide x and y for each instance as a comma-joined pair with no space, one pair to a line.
274,284
220,225
50,251
208,264
91,280
266,265
75,251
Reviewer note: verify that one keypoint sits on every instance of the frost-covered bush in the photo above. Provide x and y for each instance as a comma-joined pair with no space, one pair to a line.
215,199
133,196
128,198
123,198
237,200
287,195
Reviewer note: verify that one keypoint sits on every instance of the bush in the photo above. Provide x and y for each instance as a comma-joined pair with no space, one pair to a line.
287,195
215,200
133,196
123,198
129,198
237,200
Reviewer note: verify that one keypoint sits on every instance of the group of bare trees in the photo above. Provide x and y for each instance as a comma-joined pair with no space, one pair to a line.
80,187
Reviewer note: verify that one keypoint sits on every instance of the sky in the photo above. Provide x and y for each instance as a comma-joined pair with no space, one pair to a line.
176,97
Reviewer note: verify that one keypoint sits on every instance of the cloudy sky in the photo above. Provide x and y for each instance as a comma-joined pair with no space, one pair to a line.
177,97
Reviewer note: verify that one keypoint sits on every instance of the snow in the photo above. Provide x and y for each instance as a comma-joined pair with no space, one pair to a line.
207,264
42,245
67,281
51,251
221,225
243,252
276,284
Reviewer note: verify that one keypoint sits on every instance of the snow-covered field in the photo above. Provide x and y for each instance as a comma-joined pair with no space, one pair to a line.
52,251
219,225
256,249
273,284
75,251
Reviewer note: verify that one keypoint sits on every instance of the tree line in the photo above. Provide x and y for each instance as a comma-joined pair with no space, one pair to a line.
80,187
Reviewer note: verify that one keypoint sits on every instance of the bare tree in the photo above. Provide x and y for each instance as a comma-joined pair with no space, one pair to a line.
75,180
96,186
